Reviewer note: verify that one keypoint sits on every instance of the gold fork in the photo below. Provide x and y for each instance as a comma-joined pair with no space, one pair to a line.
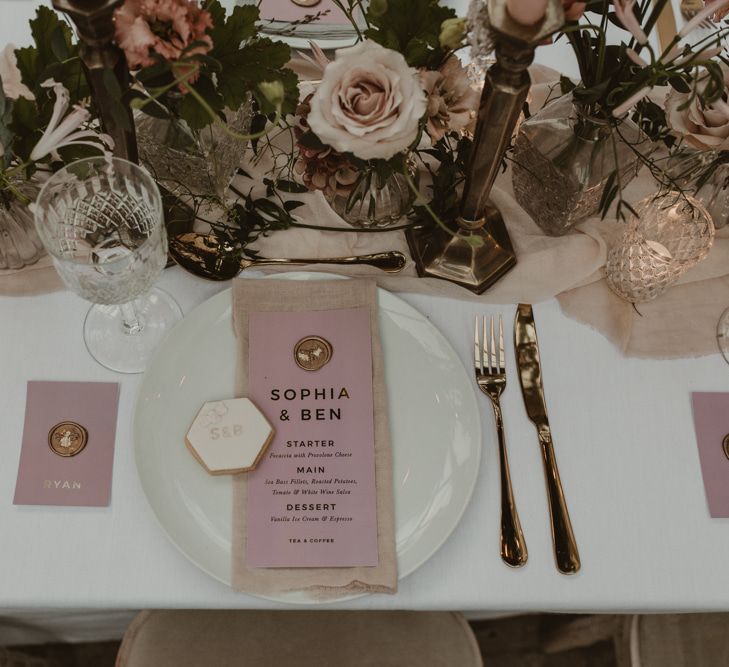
491,379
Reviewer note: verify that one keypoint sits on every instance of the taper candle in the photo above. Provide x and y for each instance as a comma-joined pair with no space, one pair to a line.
526,12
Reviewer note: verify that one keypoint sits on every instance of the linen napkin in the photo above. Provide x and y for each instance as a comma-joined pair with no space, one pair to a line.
321,583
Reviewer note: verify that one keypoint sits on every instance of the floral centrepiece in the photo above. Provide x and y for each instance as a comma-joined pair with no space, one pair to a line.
381,107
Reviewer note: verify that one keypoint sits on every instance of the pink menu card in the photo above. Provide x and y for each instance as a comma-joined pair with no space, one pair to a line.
286,10
711,421
45,477
312,500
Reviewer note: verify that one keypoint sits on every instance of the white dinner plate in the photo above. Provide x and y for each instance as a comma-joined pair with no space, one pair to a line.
434,425
326,36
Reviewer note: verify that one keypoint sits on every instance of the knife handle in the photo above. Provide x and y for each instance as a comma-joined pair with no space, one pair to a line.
566,555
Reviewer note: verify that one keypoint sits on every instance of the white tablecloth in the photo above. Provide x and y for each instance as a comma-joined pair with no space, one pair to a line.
624,439
625,444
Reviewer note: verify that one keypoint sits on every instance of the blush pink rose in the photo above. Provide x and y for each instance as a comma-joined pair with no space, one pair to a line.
369,102
703,127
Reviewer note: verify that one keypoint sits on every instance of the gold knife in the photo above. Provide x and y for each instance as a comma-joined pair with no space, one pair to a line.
530,375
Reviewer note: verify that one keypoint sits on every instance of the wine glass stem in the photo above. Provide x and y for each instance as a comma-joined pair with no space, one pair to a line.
132,325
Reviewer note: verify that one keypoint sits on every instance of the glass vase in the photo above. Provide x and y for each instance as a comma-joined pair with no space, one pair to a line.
19,242
714,195
688,166
671,234
563,158
373,202
187,161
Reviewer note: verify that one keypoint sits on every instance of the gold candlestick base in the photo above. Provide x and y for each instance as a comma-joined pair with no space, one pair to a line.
438,254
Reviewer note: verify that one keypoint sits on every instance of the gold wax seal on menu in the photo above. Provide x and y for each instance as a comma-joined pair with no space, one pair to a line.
312,353
725,445
67,438
306,3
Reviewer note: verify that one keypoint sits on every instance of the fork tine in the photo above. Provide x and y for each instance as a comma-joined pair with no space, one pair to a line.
477,348
502,356
493,357
485,348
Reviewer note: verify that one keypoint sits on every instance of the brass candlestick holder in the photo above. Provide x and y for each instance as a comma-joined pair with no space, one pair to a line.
102,59
438,254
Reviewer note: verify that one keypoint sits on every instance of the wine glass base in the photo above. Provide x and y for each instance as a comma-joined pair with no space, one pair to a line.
109,343
722,334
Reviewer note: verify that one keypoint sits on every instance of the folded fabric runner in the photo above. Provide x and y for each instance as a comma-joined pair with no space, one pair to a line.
321,583
680,323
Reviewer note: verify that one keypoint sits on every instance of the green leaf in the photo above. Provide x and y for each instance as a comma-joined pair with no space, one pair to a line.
43,27
59,43
679,84
259,60
54,56
228,35
192,111
6,117
566,84
290,186
25,127
310,140
411,27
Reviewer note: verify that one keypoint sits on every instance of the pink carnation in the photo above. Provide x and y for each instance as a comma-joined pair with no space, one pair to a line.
164,27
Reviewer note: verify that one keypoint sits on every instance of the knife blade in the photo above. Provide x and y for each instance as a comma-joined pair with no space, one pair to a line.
526,347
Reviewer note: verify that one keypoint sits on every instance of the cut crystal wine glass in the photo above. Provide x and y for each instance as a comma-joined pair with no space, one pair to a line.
101,221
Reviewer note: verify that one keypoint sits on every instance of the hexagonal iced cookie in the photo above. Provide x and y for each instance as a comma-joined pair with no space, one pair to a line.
229,437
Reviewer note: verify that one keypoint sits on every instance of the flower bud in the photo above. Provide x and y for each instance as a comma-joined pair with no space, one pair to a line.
452,33
273,91
377,7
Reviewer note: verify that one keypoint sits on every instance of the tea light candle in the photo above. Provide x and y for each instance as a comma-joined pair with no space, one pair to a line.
527,12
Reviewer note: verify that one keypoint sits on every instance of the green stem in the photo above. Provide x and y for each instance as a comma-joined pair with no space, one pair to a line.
216,119
426,206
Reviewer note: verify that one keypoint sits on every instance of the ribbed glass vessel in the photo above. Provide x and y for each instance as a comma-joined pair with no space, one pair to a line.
189,161
19,242
373,203
563,158
671,234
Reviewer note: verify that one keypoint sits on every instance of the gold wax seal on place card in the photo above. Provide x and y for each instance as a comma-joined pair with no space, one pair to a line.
312,353
725,445
67,438
306,3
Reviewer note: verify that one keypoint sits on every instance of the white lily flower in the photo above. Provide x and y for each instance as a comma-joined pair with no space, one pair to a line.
701,16
633,55
631,102
626,16
706,54
65,131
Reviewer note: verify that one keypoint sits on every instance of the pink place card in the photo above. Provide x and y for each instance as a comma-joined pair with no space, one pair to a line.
711,420
312,500
48,474
286,10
